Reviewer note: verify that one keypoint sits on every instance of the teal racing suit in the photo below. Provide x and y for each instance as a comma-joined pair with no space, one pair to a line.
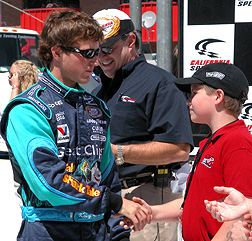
59,146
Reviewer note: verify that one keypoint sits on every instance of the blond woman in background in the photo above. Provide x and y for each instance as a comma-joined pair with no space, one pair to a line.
23,74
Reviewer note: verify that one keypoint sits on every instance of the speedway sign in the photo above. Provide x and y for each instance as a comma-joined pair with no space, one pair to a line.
216,31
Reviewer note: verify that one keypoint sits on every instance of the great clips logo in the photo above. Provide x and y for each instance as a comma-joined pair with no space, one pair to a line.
63,133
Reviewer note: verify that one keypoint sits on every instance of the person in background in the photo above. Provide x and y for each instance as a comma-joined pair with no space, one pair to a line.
59,142
234,206
25,49
23,74
150,126
224,158
53,4
175,61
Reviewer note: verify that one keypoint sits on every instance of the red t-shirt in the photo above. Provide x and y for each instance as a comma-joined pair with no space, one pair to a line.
226,161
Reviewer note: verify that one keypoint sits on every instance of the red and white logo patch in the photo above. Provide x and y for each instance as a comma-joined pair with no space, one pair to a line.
110,25
126,98
63,133
208,161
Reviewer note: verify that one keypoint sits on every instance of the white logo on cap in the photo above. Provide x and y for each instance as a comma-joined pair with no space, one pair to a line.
110,25
215,74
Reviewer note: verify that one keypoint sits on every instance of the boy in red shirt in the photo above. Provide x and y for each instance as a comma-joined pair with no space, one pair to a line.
225,157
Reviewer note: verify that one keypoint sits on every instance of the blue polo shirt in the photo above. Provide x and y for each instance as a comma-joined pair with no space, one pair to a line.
146,106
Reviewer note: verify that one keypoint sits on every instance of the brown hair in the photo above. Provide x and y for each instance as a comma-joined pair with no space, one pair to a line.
232,105
27,72
64,28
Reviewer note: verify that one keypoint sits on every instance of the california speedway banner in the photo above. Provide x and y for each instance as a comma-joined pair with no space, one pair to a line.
216,31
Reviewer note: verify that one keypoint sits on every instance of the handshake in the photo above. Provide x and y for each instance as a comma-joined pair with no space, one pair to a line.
137,214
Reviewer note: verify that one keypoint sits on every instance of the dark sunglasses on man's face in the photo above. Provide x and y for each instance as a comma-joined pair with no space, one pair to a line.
107,50
86,53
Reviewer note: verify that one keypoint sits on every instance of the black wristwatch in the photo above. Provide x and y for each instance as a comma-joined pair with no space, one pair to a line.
119,159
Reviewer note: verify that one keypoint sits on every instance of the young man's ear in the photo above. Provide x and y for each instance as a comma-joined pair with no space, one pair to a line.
56,52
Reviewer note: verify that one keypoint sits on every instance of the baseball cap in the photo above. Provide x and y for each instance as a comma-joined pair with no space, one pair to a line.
115,23
223,76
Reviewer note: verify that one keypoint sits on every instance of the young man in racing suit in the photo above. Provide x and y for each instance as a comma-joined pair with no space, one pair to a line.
59,142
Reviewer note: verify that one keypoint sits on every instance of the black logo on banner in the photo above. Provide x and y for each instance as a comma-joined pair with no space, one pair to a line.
247,112
244,3
201,47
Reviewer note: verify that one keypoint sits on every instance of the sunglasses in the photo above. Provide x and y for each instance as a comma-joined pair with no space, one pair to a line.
86,53
107,50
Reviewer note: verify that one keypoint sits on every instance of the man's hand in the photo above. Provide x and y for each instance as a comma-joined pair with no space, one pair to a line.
137,214
247,223
237,232
232,207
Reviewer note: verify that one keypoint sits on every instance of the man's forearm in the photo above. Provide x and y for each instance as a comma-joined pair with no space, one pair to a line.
225,230
154,153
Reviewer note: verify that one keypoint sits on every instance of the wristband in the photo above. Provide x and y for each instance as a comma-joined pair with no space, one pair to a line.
14,86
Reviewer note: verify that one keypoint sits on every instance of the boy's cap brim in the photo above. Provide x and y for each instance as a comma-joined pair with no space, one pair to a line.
223,76
184,84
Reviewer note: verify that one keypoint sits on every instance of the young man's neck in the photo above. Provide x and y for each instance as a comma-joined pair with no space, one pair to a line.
218,123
